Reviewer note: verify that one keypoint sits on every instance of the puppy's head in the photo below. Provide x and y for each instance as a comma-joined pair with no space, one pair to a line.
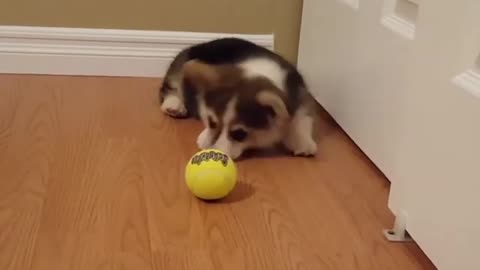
241,113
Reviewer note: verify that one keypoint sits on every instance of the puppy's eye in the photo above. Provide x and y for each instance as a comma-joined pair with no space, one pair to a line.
238,135
212,124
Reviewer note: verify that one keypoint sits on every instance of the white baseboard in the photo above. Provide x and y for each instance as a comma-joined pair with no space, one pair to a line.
98,52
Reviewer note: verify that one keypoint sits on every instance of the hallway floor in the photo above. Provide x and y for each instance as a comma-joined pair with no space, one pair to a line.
91,177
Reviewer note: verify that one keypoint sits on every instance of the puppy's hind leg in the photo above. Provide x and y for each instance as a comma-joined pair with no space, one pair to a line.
172,99
172,95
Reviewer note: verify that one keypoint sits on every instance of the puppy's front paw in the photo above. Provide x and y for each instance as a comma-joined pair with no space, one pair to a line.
307,149
204,140
173,106
302,147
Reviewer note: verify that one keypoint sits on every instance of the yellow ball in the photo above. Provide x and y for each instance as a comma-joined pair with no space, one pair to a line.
210,174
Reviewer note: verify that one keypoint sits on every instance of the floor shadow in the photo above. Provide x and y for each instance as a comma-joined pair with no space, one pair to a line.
278,152
242,191
263,153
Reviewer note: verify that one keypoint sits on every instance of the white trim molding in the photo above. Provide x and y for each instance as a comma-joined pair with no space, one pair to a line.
469,81
400,26
397,23
98,52
354,4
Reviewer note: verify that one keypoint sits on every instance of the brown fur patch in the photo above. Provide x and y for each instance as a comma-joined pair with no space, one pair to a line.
205,77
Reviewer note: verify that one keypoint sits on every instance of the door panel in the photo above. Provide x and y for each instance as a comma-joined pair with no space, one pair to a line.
439,156
402,78
355,66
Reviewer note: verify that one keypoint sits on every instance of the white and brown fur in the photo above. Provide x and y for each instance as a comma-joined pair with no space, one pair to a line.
247,97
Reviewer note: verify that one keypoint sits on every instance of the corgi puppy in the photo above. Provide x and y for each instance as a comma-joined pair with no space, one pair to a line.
247,97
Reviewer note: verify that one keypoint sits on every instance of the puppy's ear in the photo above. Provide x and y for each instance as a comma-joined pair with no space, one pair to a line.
274,103
202,76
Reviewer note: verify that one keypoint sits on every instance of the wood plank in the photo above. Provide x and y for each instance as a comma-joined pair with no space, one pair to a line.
27,138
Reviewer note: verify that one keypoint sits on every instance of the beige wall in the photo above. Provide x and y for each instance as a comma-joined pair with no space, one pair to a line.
281,17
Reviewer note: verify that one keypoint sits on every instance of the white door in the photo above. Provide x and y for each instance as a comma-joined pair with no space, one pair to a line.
402,77
439,158
353,54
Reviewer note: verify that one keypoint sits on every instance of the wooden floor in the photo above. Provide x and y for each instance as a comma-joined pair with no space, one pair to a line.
91,177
